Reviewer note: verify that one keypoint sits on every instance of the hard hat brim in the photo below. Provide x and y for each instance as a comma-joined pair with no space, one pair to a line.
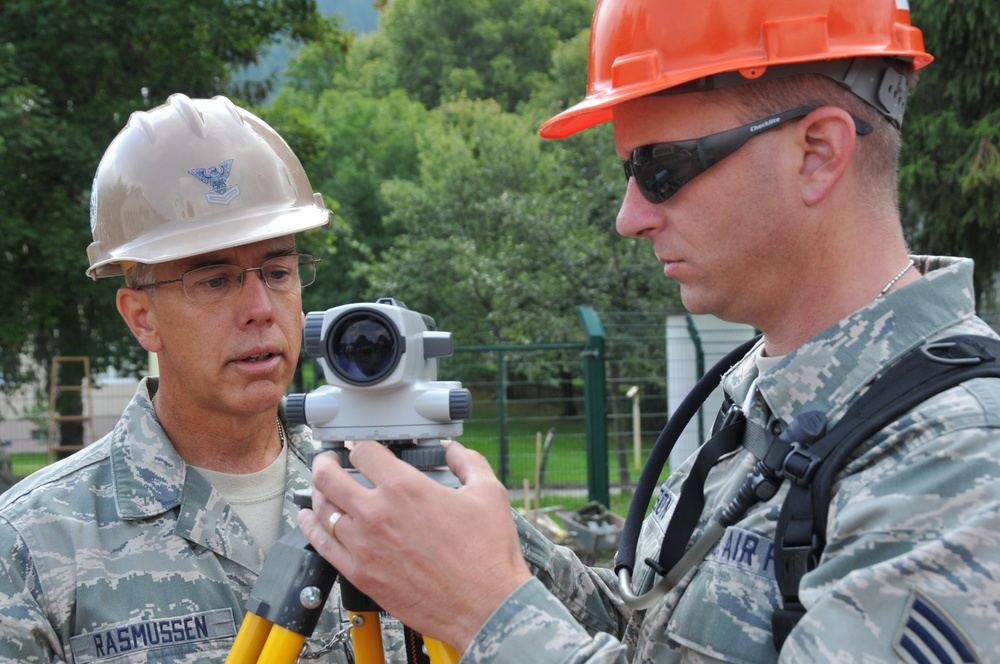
184,243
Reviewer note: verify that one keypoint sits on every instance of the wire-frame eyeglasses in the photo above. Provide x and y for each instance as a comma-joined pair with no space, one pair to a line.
218,282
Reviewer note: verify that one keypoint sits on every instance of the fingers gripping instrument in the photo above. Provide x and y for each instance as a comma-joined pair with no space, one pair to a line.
286,603
380,364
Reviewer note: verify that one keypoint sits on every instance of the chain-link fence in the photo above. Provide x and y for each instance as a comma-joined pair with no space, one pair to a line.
543,393
529,414
25,415
529,418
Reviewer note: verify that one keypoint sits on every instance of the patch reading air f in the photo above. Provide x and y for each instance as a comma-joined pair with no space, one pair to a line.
149,635
217,177
746,550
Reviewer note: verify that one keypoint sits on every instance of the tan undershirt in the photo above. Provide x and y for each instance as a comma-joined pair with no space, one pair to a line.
258,498
765,362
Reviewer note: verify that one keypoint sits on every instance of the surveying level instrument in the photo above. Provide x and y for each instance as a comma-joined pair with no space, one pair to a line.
380,365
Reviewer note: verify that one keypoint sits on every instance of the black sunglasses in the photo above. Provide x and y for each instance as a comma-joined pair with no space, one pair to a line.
661,169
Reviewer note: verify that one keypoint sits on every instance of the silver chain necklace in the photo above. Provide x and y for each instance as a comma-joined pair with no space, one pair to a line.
893,281
281,432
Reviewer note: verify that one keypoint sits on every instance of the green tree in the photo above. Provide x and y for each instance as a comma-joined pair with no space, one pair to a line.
351,144
950,172
441,50
465,211
70,74
503,237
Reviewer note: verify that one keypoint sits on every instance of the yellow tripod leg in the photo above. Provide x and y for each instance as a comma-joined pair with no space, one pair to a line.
249,640
440,652
366,637
283,646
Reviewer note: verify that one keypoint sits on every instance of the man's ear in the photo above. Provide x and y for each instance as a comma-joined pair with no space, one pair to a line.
135,307
827,139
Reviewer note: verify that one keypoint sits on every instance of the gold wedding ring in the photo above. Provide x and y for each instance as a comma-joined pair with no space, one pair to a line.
332,523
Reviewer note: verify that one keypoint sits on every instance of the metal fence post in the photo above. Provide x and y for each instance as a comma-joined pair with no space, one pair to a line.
503,463
699,363
596,408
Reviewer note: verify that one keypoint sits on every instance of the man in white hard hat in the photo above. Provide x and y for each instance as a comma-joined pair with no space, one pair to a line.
760,142
145,545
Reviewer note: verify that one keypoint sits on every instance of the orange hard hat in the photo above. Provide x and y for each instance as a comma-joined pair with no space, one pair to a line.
640,47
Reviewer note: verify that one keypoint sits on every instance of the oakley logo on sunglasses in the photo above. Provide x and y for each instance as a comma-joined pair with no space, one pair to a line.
661,169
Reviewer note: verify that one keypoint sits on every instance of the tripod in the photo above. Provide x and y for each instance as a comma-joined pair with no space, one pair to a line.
288,598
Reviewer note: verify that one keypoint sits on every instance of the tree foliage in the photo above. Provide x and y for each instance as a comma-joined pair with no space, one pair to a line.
423,137
354,144
481,49
950,174
458,208
501,240
70,74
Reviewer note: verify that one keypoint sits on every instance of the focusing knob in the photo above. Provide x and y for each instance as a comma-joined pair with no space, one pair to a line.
344,455
424,456
460,404
295,409
312,334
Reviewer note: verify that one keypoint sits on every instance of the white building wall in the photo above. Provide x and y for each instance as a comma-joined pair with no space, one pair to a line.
717,337
24,414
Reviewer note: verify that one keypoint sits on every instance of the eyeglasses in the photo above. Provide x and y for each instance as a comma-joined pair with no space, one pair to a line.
217,282
661,169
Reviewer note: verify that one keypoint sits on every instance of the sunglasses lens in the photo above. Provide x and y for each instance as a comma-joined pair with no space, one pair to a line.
656,184
660,170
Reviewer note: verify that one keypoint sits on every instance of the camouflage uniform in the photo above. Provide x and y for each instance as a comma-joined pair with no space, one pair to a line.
119,553
912,562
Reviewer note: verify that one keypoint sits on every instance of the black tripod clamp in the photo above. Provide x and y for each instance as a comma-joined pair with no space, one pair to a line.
296,580
294,583
293,588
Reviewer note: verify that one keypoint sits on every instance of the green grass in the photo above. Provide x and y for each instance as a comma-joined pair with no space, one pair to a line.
567,454
620,502
566,463
567,460
25,463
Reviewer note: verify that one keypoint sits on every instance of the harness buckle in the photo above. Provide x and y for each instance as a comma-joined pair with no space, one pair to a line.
799,464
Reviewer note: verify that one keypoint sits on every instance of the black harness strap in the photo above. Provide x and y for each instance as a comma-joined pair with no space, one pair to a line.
692,499
804,453
649,479
801,527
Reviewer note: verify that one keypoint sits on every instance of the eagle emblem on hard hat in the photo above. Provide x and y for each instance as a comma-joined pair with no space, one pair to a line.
216,177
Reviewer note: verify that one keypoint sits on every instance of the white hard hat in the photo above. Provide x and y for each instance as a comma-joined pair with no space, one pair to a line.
194,176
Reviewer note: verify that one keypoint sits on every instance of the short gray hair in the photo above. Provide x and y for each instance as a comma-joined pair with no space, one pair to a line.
140,274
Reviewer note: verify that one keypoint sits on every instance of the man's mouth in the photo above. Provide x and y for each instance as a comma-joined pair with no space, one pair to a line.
258,358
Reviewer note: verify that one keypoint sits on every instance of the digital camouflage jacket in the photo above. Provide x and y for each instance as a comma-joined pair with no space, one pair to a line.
123,553
911,568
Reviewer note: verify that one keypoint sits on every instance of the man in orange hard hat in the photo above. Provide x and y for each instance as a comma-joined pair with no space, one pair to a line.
760,143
